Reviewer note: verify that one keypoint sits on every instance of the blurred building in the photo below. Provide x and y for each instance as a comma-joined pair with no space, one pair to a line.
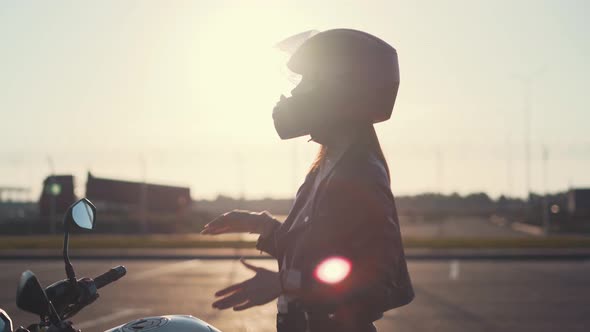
16,205
14,194
578,203
130,195
57,195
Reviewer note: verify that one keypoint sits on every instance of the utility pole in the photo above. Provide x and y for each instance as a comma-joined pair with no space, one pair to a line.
143,196
240,178
527,82
527,135
439,170
545,204
52,195
509,173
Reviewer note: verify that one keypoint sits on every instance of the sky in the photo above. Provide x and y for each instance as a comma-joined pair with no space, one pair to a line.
181,92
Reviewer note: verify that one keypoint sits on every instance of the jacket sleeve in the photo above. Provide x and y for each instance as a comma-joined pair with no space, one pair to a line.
356,221
266,241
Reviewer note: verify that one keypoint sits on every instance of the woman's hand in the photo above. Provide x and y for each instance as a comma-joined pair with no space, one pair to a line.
264,287
239,221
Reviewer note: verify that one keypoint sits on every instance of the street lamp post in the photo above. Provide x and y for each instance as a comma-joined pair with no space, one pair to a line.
545,204
54,189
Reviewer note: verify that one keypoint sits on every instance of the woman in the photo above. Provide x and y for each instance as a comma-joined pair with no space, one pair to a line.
340,255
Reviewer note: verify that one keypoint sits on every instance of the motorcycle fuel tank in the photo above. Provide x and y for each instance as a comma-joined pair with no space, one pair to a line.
178,323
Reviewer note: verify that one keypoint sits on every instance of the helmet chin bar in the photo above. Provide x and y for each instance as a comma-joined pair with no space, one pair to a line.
324,111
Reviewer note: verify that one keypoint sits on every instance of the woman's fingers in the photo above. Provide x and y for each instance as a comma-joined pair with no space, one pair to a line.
248,265
232,300
260,289
216,230
221,224
215,223
230,289
230,222
244,306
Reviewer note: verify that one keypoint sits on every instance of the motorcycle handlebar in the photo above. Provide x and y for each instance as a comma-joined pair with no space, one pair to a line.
112,275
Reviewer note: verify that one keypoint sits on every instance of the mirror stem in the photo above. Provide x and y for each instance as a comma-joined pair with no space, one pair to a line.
69,268
53,315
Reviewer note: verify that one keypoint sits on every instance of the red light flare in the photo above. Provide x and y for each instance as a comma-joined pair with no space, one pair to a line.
333,270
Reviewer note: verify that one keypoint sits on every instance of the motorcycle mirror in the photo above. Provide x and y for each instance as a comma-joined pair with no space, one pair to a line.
30,296
82,214
5,322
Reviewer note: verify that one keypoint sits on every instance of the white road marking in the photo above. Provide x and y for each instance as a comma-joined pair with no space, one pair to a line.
526,228
454,270
166,269
109,318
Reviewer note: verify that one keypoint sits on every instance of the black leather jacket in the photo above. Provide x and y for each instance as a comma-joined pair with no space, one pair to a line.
354,216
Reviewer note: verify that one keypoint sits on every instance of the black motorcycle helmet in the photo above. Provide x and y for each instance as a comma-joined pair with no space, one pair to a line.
348,77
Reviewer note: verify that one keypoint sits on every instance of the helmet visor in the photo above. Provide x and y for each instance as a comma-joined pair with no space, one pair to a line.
286,48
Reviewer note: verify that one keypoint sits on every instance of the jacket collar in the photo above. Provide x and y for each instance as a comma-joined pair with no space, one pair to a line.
333,158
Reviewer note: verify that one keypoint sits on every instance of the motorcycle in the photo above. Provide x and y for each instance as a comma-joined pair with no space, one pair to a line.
59,302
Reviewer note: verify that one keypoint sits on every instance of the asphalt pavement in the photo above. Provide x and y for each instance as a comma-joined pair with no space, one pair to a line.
454,295
563,254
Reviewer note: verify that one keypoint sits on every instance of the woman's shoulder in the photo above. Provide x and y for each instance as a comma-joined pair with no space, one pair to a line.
362,181
366,167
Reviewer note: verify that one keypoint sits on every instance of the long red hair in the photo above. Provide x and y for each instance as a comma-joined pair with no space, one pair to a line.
366,140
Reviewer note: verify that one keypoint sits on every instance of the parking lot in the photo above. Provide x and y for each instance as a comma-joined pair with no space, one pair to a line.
450,295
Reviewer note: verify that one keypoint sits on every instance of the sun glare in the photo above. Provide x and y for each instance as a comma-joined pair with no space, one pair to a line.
241,73
333,270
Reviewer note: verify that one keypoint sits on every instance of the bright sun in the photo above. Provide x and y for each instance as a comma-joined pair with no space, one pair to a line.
240,73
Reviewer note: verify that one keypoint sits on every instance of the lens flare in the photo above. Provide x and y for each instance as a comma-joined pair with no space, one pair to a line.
333,270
